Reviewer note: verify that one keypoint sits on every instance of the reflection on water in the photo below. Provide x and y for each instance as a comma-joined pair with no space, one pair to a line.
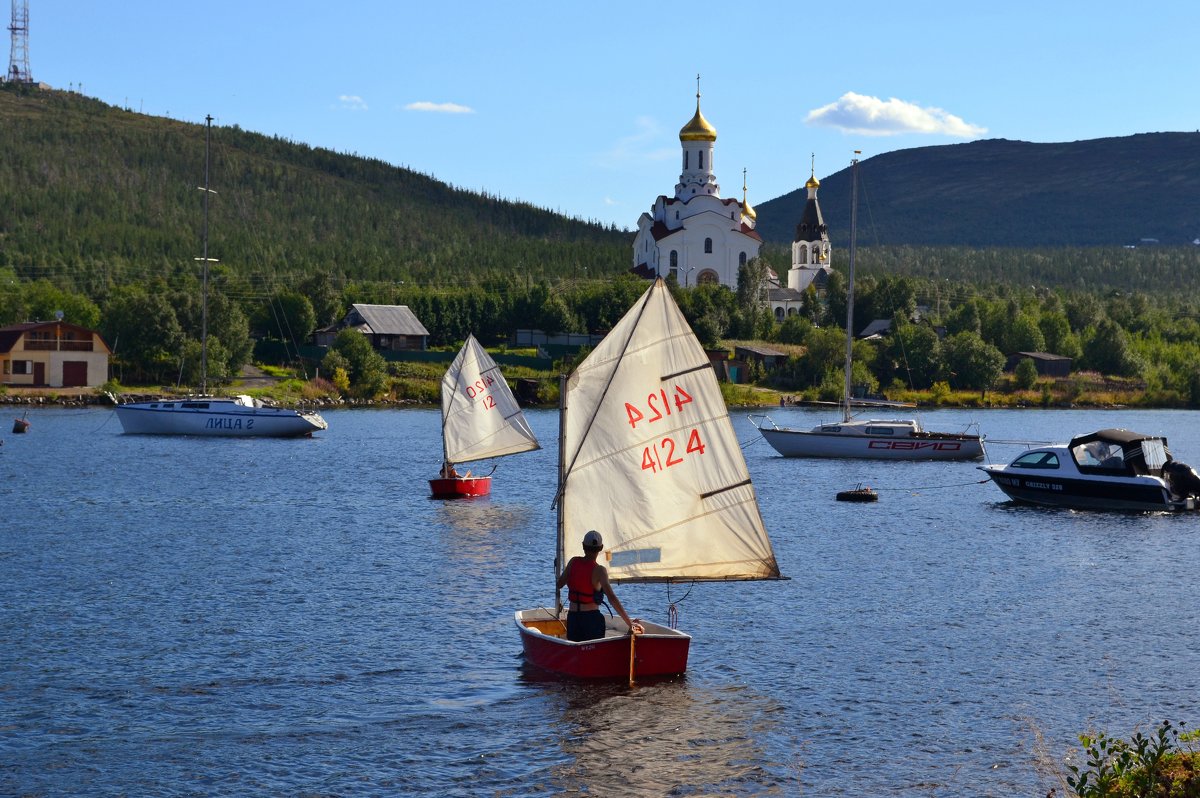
668,738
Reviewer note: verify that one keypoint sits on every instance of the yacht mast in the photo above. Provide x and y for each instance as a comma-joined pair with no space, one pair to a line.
205,260
850,289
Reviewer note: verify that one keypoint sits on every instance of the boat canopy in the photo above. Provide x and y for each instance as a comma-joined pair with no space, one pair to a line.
1120,451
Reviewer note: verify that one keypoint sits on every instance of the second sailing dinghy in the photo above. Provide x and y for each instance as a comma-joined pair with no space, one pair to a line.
480,419
648,457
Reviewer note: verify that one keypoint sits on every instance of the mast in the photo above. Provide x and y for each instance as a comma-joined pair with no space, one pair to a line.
850,289
205,260
562,473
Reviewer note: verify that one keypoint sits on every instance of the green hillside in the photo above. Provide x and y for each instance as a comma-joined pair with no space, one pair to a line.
109,196
998,193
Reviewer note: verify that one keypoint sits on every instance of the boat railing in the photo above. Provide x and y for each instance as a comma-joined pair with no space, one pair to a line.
751,418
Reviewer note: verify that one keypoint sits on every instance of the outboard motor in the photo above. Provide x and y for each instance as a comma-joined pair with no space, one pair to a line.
1182,479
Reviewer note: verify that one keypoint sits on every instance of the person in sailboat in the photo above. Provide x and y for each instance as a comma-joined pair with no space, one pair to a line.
449,471
587,585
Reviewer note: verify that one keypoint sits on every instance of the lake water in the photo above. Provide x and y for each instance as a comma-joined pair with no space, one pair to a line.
259,617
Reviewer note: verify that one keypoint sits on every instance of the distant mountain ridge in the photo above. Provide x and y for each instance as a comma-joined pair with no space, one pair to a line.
1001,193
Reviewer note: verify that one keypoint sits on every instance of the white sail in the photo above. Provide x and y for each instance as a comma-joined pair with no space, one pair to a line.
650,459
480,415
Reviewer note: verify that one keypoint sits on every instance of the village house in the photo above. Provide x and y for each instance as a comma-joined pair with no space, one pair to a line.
1048,365
52,354
389,328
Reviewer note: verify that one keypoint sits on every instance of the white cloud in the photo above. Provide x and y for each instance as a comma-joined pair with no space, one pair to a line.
871,116
351,102
439,108
609,201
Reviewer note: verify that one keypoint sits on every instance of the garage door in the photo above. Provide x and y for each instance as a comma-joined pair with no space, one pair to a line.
74,373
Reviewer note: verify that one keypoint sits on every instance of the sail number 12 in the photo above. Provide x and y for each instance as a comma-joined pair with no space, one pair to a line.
666,452
480,388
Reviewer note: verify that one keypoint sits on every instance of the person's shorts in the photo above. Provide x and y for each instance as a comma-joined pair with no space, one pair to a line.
585,625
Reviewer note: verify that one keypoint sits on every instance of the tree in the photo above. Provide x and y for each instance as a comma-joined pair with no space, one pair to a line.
972,362
1107,350
142,329
1026,374
288,316
911,352
368,370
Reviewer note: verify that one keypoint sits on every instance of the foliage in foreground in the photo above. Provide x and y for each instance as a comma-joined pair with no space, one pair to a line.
1164,763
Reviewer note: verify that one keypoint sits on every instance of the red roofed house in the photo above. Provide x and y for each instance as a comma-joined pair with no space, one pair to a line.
52,354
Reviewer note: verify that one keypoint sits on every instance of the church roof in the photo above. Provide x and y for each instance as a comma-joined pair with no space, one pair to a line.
812,225
698,129
784,295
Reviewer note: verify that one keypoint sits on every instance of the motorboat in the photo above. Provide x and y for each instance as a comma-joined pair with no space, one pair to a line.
1112,469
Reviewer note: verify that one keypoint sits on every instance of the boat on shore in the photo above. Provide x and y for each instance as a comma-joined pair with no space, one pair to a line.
1111,469
647,455
480,420
875,439
238,416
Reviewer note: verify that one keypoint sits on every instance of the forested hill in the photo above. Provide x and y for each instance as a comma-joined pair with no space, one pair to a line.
112,194
998,193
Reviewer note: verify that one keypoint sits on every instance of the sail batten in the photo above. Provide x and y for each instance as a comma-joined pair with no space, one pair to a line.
480,416
680,503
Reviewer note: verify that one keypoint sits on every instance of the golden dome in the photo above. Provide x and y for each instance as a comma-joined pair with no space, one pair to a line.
748,210
813,182
698,129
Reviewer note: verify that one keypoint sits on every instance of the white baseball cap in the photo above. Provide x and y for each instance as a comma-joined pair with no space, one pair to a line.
592,540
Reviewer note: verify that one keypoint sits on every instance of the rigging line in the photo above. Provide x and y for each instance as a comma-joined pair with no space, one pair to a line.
934,487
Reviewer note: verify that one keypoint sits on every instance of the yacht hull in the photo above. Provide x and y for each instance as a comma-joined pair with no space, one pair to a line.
225,418
926,446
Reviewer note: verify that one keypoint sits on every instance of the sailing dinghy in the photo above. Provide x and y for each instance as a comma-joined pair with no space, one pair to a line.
647,456
480,419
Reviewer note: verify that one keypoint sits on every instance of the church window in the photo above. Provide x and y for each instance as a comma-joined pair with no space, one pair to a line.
803,255
677,216
741,259
700,158
708,246
685,160
778,314
674,261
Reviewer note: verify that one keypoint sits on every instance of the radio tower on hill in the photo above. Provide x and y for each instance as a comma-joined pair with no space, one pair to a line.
18,64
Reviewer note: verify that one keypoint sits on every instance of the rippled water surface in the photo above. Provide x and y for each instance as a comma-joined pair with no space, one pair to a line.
258,617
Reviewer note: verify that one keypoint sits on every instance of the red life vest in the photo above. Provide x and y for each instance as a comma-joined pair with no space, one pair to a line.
579,582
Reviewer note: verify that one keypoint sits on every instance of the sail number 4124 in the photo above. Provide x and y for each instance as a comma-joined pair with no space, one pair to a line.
666,453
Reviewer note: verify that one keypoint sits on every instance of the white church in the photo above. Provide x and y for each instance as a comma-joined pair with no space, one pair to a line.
696,236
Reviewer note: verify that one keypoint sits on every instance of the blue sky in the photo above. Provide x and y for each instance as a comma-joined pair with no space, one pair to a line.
577,107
